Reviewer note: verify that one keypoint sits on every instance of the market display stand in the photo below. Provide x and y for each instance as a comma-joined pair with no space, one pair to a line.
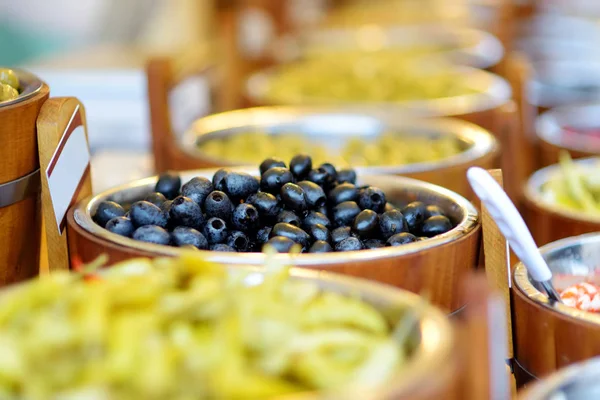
65,171
180,90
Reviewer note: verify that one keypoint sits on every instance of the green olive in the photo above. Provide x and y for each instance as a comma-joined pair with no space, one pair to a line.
387,149
8,92
362,77
9,77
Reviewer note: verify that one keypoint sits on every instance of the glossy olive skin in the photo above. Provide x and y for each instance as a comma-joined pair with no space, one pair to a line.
433,210
414,214
238,241
156,198
217,204
266,204
341,193
319,232
372,198
349,244
346,176
281,244
344,213
293,197
300,166
185,236
436,225
270,163
366,224
215,231
145,213
392,222
315,217
106,211
121,226
313,193
289,217
218,179
291,232
274,178
245,218
185,212
320,246
340,234
152,234
401,238
168,185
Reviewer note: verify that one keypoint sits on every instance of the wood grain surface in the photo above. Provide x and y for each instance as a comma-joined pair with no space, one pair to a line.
54,118
21,221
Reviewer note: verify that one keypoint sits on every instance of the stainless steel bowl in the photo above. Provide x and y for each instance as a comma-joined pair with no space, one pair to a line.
535,184
577,382
560,83
29,86
465,45
550,127
571,260
399,190
491,91
332,127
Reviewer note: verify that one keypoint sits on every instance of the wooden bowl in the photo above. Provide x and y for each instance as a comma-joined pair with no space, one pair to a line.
437,265
550,336
548,221
550,131
579,381
20,230
460,45
332,127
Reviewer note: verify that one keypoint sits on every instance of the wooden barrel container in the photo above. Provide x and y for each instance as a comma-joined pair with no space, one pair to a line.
553,138
550,336
548,221
579,381
20,207
436,265
332,128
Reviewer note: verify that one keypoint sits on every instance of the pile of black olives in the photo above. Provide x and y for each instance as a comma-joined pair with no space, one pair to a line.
321,209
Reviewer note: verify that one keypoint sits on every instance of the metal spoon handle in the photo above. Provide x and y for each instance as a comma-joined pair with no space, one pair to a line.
511,224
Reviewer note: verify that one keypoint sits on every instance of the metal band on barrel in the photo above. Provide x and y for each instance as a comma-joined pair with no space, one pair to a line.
14,191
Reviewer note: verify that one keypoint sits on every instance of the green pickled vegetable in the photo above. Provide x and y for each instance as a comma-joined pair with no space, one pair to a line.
183,328
370,77
9,77
8,92
387,149
575,188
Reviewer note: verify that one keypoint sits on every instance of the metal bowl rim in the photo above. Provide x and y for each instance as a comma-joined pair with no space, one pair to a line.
32,88
524,285
470,221
550,385
553,118
540,177
482,142
496,93
486,49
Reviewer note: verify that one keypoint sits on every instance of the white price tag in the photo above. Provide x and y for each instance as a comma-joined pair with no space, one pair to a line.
67,167
188,101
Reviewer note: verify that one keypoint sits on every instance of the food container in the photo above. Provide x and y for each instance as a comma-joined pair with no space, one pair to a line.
550,336
548,221
562,83
332,128
490,92
431,369
460,45
579,381
437,265
564,128
20,181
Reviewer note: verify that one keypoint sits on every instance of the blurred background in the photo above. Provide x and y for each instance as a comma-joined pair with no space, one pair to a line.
97,50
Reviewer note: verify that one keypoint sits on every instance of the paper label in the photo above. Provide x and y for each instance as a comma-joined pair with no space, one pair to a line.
188,101
67,167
